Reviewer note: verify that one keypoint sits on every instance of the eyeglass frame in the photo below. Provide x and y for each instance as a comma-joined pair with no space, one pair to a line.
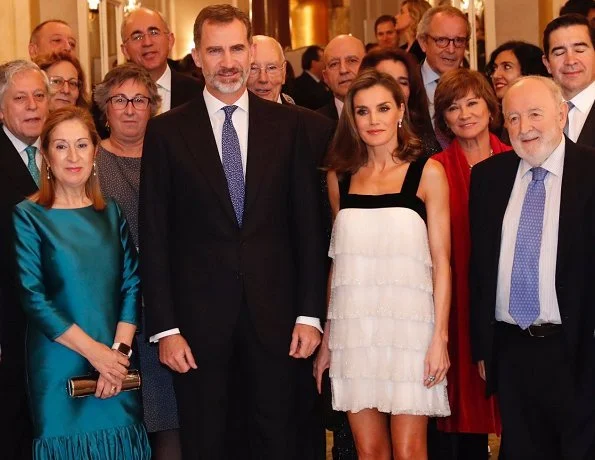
139,37
255,70
449,40
129,101
70,82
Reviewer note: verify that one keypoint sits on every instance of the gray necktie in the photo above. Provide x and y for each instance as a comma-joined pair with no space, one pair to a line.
567,125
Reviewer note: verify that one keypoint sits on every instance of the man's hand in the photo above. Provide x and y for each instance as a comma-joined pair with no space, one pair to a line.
304,341
175,353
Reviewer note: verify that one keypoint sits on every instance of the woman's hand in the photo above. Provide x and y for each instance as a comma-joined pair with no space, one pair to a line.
436,363
105,389
321,363
111,364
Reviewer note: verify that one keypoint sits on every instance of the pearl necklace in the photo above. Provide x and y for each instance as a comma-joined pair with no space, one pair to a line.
471,165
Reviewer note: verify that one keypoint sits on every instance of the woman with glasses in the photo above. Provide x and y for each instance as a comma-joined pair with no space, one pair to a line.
67,80
127,98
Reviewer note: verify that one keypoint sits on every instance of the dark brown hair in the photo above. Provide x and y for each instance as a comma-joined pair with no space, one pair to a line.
456,84
222,14
417,105
348,152
47,60
47,192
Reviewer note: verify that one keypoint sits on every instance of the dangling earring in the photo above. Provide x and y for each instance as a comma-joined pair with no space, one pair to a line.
94,168
48,171
107,125
400,124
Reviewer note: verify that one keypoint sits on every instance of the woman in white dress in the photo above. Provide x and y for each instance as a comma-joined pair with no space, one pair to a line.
389,289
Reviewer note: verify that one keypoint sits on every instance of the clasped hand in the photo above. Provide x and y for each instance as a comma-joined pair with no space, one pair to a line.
113,369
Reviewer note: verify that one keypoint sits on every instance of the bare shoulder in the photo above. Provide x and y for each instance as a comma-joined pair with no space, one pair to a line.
433,170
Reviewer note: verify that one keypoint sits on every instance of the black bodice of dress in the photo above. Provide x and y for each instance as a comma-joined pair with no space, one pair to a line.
406,198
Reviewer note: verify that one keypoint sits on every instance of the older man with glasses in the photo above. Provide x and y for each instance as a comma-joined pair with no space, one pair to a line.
268,69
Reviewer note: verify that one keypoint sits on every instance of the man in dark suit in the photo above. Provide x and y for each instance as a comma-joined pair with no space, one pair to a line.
532,230
569,55
20,159
342,58
310,91
231,269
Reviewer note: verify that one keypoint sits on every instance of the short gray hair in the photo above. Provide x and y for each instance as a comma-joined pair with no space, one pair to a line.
12,68
126,18
553,88
116,77
424,24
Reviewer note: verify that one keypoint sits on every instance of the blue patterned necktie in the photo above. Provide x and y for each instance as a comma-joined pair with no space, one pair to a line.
524,281
31,164
231,158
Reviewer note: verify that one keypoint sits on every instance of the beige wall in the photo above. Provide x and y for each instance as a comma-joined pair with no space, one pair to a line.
14,30
526,29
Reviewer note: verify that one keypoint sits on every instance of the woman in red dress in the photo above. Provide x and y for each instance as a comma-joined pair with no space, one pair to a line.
466,108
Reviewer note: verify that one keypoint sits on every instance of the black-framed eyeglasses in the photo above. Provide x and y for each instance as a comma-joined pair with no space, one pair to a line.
120,102
57,83
138,37
443,42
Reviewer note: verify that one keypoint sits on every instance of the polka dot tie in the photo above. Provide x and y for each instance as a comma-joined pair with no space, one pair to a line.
231,157
524,282
31,164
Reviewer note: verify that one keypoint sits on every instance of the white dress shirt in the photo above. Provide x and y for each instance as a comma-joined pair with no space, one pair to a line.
20,147
239,119
430,79
164,90
339,105
583,102
548,301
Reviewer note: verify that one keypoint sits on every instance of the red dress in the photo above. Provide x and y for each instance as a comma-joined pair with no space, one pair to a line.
471,411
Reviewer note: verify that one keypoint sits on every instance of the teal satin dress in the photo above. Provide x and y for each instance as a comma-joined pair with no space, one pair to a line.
77,266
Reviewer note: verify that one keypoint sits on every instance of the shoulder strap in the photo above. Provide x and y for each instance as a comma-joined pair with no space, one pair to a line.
344,183
413,177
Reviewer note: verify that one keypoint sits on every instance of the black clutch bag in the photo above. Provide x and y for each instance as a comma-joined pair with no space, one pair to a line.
85,385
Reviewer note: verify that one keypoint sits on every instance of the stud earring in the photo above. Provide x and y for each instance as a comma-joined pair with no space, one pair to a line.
400,124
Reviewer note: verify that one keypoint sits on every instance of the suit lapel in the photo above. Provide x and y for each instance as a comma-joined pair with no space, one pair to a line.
198,134
569,200
13,166
261,145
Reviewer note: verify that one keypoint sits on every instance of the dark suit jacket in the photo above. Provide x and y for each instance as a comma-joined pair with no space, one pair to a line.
587,135
309,93
198,266
491,185
15,184
329,110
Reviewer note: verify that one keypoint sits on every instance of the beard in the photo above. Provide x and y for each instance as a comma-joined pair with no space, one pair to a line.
227,80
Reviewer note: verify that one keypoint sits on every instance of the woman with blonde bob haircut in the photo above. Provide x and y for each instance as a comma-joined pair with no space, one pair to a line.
80,290
387,330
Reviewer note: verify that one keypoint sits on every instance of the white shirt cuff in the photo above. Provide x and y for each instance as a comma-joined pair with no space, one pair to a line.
310,321
155,338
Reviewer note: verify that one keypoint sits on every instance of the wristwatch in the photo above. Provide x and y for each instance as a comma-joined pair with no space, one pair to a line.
122,348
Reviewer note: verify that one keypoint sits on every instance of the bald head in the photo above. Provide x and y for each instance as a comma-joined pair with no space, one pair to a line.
52,36
535,114
267,70
342,58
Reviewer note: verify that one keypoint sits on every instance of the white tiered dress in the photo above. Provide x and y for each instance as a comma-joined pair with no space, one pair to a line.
381,306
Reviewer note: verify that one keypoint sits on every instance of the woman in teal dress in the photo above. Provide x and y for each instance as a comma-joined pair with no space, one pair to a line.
79,287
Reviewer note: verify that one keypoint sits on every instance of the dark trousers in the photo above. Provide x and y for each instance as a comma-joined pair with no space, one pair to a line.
536,393
266,381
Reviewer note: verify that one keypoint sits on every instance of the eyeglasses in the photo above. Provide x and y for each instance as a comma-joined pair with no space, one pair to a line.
120,102
270,69
57,83
138,37
443,42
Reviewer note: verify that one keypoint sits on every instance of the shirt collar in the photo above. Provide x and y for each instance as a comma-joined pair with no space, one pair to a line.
213,104
164,81
279,101
316,79
553,164
428,74
584,100
339,106
19,145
